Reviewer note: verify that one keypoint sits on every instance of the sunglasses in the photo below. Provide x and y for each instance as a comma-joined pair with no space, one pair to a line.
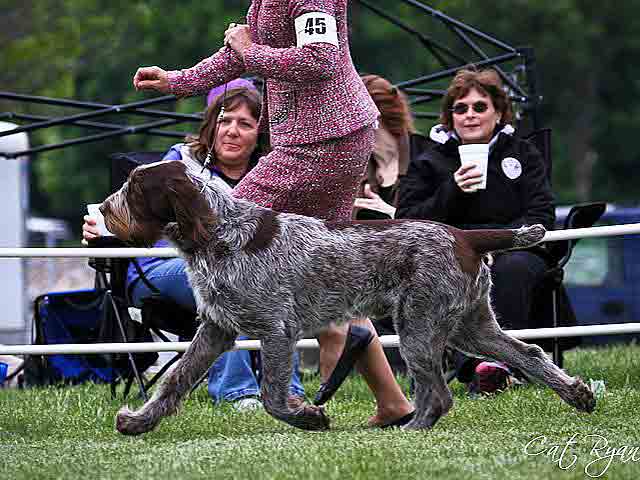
462,108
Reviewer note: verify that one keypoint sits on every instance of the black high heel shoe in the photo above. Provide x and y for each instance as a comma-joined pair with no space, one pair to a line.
358,339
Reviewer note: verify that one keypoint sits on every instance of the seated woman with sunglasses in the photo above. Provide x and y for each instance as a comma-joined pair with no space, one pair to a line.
476,110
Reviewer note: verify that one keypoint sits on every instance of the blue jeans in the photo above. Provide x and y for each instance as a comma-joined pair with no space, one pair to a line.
231,376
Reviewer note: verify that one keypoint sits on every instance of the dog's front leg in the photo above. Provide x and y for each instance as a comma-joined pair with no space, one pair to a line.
209,343
277,365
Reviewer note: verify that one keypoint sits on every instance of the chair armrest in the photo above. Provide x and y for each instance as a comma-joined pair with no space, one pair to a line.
106,242
583,215
105,265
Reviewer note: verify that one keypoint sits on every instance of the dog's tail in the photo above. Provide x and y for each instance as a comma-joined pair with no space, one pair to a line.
484,241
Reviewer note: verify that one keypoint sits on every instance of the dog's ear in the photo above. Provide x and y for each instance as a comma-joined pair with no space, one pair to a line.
147,190
161,193
193,215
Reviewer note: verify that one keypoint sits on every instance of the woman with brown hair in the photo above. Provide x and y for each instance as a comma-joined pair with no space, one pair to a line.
377,196
233,148
321,125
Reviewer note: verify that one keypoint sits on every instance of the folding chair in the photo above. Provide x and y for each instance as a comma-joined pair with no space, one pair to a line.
550,292
110,276
158,314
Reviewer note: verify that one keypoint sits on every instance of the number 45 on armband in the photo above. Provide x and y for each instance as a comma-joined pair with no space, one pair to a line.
316,27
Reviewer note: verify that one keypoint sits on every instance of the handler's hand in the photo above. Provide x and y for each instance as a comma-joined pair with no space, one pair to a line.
89,230
238,37
467,177
151,78
373,201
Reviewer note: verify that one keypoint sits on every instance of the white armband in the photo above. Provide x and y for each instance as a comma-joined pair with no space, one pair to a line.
316,27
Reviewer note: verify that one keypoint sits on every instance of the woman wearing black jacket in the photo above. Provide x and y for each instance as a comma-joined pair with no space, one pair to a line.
476,110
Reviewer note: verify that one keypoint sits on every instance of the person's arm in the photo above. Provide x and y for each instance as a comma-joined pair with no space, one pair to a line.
220,68
539,199
421,196
317,54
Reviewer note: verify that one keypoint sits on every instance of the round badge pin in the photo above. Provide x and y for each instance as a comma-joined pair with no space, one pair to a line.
512,167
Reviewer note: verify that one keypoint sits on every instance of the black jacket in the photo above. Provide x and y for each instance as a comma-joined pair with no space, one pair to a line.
428,190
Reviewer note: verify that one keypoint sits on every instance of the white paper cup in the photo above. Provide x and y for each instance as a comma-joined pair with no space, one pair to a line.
478,155
94,212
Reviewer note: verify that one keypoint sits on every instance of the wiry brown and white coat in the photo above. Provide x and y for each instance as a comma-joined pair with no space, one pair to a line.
279,276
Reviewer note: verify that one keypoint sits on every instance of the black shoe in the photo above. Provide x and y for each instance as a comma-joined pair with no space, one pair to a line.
400,421
358,339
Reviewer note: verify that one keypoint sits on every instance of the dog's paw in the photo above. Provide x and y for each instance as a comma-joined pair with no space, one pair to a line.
582,397
416,425
130,423
312,417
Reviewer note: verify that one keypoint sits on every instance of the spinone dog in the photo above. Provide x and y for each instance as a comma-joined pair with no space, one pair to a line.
277,276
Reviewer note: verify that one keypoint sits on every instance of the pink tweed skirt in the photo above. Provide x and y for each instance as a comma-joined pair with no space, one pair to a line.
317,179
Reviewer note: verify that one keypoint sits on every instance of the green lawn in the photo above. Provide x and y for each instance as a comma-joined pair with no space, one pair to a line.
68,433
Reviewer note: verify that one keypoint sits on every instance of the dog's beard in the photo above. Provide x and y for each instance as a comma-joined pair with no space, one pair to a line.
116,217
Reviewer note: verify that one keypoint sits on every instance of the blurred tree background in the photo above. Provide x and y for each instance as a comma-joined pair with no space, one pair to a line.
88,50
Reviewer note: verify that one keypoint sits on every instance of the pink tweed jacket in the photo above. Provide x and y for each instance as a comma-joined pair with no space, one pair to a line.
313,93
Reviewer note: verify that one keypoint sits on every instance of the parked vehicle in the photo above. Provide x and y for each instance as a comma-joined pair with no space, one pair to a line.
603,275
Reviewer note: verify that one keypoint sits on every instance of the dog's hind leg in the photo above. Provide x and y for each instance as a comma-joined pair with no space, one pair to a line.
277,365
484,337
422,350
208,344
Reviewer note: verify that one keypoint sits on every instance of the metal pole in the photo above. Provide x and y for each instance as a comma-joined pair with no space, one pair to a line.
98,106
448,20
465,38
90,138
452,71
88,124
430,44
82,116
531,70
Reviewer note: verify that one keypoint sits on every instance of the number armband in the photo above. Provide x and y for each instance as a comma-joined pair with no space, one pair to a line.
316,27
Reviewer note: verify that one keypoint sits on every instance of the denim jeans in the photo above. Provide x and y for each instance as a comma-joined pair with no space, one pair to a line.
231,376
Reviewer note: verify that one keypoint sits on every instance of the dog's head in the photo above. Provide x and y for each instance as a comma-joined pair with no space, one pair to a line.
158,199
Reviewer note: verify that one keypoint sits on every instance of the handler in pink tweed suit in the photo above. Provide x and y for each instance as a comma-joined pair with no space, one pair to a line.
320,119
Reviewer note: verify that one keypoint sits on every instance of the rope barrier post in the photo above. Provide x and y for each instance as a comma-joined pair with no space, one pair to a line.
555,342
132,361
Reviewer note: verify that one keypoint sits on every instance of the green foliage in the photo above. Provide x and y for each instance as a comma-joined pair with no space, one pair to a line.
89,50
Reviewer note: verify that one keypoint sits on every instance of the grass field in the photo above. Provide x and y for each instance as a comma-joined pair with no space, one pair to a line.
68,433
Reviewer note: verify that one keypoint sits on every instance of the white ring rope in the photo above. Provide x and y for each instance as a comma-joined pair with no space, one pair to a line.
82,252
386,340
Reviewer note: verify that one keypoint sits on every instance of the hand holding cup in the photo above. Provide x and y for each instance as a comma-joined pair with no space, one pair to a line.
468,178
94,224
472,174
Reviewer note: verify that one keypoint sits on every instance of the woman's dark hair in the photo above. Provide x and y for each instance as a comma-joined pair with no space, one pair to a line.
235,97
485,81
